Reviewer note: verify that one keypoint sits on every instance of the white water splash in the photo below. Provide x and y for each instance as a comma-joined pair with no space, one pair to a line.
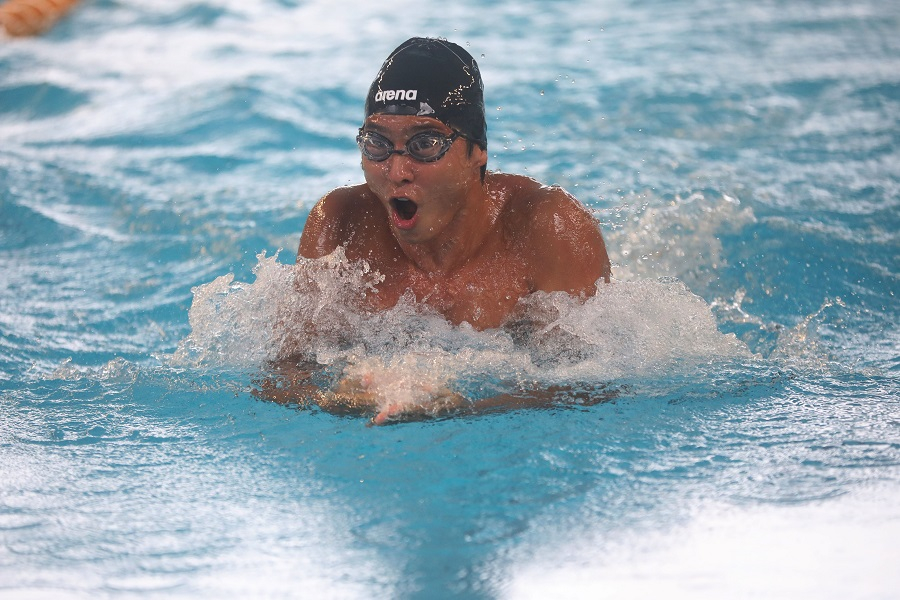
312,312
286,311
680,239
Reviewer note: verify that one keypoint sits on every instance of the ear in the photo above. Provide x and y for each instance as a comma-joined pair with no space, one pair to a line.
479,156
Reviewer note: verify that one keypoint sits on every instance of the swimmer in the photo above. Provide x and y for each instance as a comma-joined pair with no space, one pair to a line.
437,225
468,242
20,18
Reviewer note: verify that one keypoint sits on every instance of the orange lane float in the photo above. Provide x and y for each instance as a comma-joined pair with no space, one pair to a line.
20,18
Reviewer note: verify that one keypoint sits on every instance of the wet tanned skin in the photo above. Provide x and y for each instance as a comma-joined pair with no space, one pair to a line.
468,249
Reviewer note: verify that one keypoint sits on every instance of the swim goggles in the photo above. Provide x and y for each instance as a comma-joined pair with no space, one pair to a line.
427,146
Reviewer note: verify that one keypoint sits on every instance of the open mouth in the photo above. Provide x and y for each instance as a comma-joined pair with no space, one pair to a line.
405,208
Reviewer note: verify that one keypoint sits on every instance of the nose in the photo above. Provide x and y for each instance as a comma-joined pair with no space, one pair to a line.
400,168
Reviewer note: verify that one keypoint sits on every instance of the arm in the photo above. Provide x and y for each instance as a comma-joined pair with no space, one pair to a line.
291,382
566,247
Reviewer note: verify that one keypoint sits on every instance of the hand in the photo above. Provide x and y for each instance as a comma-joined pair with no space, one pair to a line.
364,395
442,402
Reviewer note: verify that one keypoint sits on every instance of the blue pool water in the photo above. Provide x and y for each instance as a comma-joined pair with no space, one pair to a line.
744,160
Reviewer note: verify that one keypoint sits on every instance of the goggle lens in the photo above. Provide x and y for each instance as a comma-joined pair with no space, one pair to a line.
424,147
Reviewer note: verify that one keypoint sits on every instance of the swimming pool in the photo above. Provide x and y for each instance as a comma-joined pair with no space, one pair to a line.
744,163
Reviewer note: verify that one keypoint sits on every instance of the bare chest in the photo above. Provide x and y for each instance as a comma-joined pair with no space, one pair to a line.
482,293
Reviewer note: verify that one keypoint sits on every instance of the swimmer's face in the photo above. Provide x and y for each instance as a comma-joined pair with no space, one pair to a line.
421,198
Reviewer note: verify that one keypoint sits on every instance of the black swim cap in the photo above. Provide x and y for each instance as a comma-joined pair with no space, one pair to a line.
432,78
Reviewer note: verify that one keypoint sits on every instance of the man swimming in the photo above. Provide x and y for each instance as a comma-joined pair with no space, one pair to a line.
437,225
432,220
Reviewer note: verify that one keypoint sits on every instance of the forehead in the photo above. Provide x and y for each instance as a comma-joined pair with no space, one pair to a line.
403,124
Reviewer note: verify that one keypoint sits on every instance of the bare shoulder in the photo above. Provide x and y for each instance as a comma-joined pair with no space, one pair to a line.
333,219
560,237
534,205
